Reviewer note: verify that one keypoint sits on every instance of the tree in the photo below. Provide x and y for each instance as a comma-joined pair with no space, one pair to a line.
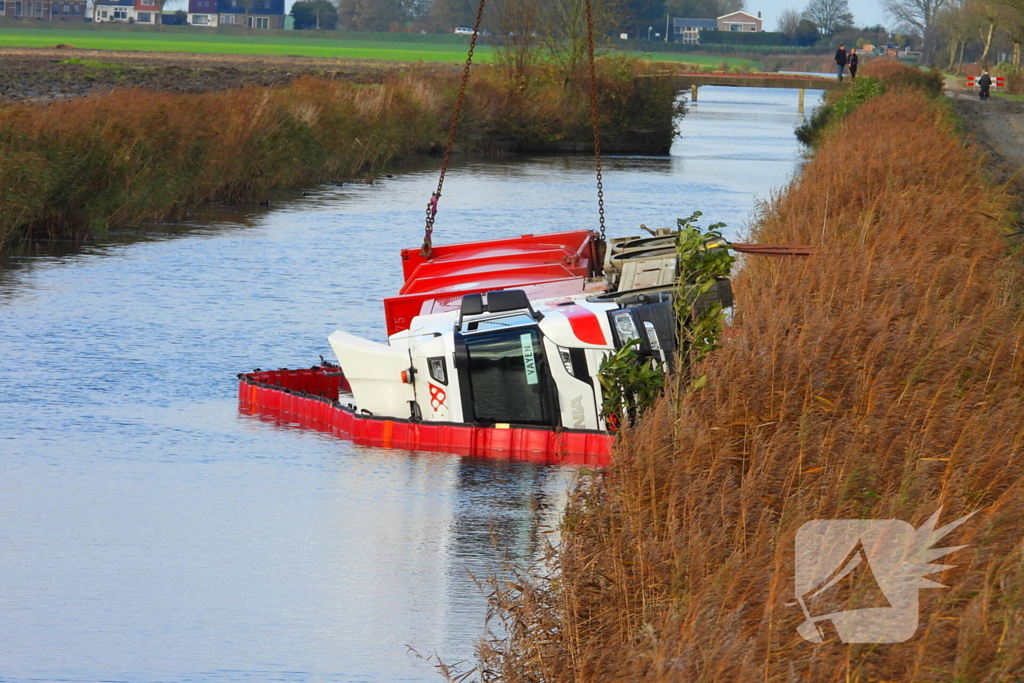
563,26
953,26
516,41
315,14
692,9
702,9
986,17
638,15
828,16
920,14
373,15
444,15
1014,25
788,22
807,33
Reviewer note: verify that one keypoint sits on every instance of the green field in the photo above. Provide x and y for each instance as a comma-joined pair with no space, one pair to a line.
700,60
240,45
341,48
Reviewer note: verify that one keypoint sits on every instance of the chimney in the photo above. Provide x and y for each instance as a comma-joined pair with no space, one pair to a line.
758,14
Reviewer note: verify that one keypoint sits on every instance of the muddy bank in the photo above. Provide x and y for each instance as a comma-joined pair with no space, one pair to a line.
998,126
32,74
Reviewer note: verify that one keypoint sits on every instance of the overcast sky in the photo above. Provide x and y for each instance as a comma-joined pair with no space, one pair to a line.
865,12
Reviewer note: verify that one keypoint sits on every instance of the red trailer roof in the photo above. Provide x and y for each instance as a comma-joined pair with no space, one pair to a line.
545,265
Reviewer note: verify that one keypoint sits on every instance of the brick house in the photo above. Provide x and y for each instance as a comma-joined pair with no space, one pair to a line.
42,10
147,12
263,14
740,21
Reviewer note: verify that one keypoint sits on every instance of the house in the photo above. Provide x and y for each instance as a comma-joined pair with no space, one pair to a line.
68,11
147,12
740,21
688,30
203,13
120,11
263,14
42,11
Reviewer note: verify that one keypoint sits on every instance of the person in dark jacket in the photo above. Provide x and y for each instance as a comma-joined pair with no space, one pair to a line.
984,83
840,60
851,62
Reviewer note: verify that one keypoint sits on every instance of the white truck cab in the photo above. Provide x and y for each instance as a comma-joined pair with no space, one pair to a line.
499,360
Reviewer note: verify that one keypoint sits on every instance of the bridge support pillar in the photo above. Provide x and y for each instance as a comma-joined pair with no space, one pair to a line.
693,93
800,104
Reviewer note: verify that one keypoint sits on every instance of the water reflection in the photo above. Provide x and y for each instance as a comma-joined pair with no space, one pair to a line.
149,532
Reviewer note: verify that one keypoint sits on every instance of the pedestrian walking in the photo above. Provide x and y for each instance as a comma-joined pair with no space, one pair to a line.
840,60
851,62
984,83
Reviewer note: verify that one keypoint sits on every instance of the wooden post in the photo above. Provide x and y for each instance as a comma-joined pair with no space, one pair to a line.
800,105
693,93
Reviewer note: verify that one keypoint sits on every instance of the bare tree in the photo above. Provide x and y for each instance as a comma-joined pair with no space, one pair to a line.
1015,32
517,41
1014,25
954,26
828,16
564,28
987,16
919,14
788,22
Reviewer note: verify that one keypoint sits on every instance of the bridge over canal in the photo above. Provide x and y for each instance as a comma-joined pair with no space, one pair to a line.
693,80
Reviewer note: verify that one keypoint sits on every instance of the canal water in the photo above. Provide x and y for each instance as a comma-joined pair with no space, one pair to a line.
149,532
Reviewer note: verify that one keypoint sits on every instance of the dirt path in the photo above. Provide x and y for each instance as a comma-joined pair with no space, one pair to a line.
40,74
998,126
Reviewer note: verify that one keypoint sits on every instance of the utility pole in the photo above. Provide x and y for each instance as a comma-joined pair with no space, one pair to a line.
666,27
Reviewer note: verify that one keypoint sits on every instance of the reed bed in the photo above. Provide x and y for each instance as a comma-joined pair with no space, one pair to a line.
880,378
73,168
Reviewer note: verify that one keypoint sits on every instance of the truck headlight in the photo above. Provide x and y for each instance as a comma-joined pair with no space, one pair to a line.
625,327
566,360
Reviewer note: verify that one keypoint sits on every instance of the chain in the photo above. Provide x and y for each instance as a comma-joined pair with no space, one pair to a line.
427,250
593,114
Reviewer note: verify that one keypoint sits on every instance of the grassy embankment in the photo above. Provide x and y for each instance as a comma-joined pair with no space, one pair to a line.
75,167
880,378
413,49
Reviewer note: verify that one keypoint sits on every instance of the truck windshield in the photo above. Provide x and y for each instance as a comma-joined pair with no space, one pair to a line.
508,377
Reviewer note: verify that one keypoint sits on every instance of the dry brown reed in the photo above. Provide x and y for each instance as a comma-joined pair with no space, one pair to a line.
71,168
880,378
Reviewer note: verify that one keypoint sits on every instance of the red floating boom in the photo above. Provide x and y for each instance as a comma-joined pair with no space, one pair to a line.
308,398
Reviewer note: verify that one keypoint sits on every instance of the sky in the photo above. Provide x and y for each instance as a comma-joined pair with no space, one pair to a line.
865,12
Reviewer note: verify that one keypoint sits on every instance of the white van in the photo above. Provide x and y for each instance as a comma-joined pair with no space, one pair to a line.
463,31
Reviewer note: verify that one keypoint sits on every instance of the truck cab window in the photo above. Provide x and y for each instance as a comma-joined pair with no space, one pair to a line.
509,378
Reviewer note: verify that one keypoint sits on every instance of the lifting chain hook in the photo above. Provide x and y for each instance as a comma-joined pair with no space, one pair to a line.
427,250
593,114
